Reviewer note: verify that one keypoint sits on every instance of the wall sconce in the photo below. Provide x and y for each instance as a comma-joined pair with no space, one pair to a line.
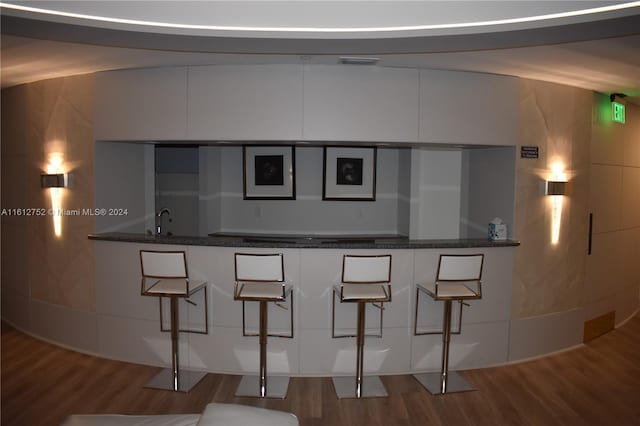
556,187
55,180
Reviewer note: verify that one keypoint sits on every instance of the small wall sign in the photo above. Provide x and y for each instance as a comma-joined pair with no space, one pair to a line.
618,112
528,152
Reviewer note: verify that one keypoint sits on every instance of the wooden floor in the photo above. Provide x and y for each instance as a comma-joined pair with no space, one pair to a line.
597,384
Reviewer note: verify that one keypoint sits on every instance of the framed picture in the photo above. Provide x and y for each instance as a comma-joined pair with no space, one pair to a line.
349,173
269,172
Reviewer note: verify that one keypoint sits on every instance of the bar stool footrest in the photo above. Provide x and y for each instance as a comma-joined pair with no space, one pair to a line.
433,383
186,380
372,387
277,387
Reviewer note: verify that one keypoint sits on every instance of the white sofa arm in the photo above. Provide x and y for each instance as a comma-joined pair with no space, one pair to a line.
124,420
242,415
214,415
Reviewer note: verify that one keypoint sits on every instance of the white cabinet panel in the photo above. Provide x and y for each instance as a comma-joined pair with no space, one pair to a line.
356,103
245,102
147,104
468,108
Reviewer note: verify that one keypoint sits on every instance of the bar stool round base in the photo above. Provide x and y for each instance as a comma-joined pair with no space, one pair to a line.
433,383
277,387
372,387
186,380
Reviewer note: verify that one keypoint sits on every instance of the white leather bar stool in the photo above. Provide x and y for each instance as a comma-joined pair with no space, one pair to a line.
260,278
365,279
164,274
458,279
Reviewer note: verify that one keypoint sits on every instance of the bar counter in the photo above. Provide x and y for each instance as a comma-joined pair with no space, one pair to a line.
128,326
302,241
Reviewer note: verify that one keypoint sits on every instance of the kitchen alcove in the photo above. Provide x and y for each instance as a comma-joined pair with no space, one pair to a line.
422,192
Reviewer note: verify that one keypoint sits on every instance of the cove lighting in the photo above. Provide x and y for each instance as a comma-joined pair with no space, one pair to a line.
496,22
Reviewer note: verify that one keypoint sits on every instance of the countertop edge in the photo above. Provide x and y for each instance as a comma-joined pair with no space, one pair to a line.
384,243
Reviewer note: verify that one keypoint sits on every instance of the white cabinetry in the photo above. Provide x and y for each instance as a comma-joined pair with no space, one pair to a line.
290,102
146,104
360,103
468,108
236,102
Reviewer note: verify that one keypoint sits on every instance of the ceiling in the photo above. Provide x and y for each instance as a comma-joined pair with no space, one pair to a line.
600,52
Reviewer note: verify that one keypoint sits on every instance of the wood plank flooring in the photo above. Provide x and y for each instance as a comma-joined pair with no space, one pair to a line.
597,384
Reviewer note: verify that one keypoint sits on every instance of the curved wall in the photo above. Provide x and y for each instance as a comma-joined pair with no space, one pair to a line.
48,287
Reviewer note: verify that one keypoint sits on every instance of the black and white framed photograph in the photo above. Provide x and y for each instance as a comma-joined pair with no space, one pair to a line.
349,173
269,172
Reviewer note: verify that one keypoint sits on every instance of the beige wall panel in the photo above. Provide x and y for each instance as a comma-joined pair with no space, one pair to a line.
632,139
605,267
631,197
550,277
606,197
54,116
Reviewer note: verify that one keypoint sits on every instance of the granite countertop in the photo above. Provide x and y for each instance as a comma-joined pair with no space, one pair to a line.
295,241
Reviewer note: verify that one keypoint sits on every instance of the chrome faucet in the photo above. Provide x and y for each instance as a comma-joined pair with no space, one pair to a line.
159,215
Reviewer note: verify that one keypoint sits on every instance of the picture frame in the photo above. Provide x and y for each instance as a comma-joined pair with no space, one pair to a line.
349,173
269,172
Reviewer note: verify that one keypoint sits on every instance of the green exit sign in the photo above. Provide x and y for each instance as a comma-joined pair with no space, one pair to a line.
617,112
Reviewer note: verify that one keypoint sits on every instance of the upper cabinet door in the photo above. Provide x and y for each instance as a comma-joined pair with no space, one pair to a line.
468,108
360,103
240,102
146,104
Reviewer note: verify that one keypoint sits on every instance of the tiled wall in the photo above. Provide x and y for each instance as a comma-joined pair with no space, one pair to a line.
557,287
613,268
38,120
550,277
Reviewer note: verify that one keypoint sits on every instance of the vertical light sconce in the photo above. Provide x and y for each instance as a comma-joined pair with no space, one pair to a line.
55,180
557,187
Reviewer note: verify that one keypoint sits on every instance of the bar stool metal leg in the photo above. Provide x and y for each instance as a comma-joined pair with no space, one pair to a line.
365,387
256,386
263,349
360,350
446,340
175,369
174,379
444,381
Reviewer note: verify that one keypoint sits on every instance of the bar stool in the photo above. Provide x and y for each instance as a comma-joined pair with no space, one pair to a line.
365,279
260,278
164,274
458,278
